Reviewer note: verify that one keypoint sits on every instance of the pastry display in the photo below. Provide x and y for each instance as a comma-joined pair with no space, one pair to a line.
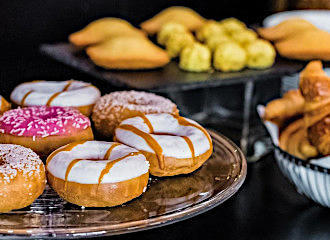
72,93
97,174
260,54
149,135
298,39
103,29
309,135
229,56
195,57
4,105
114,43
127,53
238,46
44,129
176,42
172,144
315,87
115,107
183,15
169,28
22,177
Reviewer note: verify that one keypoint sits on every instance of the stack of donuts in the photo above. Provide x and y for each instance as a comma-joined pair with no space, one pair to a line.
51,125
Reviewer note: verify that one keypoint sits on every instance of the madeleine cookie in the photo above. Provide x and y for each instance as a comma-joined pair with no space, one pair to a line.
185,16
103,29
128,53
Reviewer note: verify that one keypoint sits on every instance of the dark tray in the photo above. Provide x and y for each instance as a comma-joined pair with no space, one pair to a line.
169,78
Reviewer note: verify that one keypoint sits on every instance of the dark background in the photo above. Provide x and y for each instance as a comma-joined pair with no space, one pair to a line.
267,206
26,24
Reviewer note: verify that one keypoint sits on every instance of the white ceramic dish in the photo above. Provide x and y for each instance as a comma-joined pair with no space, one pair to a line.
311,178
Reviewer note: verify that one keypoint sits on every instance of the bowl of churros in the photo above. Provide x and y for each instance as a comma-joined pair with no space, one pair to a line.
299,125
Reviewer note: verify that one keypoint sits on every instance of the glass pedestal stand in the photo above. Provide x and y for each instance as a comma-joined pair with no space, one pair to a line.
253,141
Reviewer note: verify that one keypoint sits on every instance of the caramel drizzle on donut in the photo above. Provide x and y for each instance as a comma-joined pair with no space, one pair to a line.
153,144
105,171
68,147
191,147
182,121
110,165
68,170
108,153
25,96
51,99
147,122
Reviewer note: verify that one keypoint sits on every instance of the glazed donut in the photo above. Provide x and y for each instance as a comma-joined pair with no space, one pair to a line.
172,144
97,174
78,94
115,107
44,129
22,177
4,105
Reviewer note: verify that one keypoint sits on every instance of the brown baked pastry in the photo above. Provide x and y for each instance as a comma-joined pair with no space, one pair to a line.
185,16
128,53
315,87
294,140
290,105
4,105
113,108
285,29
103,29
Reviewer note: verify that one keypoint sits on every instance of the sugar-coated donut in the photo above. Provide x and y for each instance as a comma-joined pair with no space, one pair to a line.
71,93
44,129
4,105
97,174
172,144
22,177
115,107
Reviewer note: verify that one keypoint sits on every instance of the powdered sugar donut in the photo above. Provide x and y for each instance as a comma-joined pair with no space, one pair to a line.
4,105
22,177
97,174
44,129
172,144
115,107
78,94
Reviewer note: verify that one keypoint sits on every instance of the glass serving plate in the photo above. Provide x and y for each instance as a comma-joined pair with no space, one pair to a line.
167,200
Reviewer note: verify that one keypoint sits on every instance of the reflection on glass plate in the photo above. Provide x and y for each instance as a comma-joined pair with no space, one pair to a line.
167,200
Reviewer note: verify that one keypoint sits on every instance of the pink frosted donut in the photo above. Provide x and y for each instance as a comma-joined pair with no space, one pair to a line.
44,129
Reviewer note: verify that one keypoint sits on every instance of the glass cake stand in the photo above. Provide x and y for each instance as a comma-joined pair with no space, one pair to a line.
166,201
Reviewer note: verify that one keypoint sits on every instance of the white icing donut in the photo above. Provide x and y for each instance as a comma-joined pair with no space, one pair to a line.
69,93
171,135
96,162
